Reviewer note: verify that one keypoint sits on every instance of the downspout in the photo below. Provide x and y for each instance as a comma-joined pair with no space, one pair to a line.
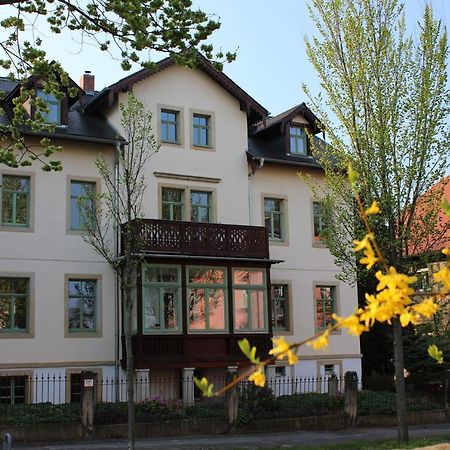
116,276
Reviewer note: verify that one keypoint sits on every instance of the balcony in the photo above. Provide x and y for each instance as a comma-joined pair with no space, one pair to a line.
200,239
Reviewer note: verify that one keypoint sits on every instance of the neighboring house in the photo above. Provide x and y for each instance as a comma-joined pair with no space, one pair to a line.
231,240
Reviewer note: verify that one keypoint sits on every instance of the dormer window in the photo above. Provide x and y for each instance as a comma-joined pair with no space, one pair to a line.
54,108
297,141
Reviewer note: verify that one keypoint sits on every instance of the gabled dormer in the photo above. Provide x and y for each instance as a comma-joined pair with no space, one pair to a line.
285,139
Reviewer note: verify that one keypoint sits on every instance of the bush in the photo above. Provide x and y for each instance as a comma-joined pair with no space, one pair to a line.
40,413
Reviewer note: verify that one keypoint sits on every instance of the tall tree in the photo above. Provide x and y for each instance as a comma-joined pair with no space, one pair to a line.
388,96
130,31
120,205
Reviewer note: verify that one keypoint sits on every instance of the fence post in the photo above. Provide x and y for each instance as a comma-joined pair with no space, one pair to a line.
87,402
351,397
446,392
333,385
232,398
188,386
7,442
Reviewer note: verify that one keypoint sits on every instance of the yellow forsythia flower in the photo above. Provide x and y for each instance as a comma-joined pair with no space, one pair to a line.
258,378
369,259
280,349
373,209
364,243
446,251
352,323
292,357
426,308
443,276
320,342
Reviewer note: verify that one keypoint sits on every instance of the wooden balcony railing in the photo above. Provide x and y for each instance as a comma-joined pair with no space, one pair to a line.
192,238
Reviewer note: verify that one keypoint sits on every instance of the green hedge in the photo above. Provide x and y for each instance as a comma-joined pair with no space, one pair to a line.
39,413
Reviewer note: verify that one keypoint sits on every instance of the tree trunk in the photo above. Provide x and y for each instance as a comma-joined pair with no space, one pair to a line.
402,432
128,303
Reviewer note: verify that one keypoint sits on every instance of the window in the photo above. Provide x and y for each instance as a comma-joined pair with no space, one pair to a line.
200,206
82,305
297,141
82,203
201,136
319,220
207,299
161,299
14,298
13,390
274,218
54,108
280,371
170,126
172,203
249,292
15,201
325,297
280,307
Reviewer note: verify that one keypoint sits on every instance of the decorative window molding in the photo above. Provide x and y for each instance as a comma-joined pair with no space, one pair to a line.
202,130
177,176
86,188
275,218
17,201
188,203
83,306
16,305
170,125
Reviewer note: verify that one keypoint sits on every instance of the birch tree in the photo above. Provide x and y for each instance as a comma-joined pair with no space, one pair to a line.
385,109
120,205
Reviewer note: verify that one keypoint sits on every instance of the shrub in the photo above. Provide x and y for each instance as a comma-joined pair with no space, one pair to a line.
40,413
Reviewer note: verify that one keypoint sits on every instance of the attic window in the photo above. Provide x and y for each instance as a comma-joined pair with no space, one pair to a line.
54,108
297,141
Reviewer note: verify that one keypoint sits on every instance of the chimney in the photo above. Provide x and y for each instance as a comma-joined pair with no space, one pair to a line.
87,82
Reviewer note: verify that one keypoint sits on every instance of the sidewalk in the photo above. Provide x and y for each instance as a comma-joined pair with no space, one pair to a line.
250,441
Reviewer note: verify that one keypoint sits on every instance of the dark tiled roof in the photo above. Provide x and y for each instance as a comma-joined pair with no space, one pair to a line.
287,116
81,126
274,151
255,111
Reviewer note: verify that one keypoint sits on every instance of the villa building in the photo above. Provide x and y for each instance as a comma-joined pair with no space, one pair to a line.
230,240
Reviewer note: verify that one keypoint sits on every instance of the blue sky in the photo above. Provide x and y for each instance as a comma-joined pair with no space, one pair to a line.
271,64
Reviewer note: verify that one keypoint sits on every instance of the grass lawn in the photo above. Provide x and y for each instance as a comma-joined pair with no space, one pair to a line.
389,444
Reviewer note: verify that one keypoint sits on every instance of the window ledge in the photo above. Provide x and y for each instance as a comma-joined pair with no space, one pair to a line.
16,335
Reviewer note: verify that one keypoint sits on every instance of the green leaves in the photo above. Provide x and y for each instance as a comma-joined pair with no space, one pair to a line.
352,175
249,352
445,205
204,386
436,354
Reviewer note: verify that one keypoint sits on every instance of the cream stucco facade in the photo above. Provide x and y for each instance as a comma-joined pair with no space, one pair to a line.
48,254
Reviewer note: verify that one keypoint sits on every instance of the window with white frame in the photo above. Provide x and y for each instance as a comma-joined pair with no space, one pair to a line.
172,201
207,299
249,295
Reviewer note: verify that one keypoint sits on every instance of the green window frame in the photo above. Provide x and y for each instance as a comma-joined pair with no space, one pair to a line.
298,144
318,220
161,299
201,130
274,218
82,305
82,203
280,306
200,202
249,300
53,115
325,299
170,126
206,293
172,203
14,304
15,201
13,390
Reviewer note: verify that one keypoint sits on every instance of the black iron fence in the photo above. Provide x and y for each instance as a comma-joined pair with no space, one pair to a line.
54,398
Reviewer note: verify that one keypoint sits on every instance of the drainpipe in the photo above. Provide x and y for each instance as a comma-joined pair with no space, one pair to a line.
257,163
116,276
